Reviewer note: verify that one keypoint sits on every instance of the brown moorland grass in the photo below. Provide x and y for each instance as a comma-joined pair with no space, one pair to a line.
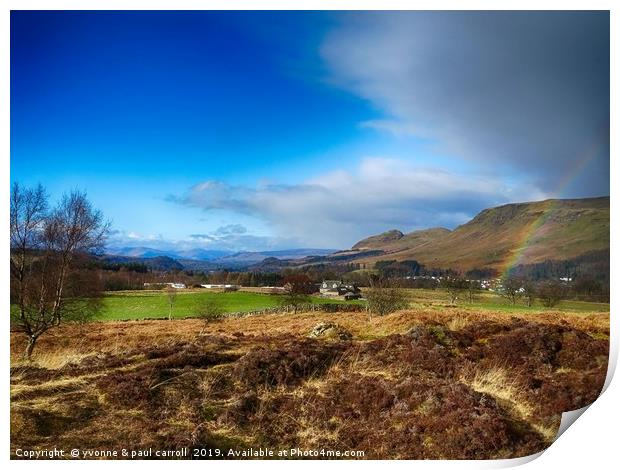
419,383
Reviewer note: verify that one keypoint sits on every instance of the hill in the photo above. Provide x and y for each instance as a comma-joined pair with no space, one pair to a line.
523,233
378,240
207,260
248,258
391,241
157,263
147,252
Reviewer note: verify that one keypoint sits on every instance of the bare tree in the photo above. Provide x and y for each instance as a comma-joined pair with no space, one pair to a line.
473,289
27,218
551,292
512,289
529,293
171,292
210,310
455,287
383,298
45,246
297,290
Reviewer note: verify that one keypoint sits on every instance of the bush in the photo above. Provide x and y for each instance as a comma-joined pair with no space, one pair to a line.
210,310
382,300
550,293
512,288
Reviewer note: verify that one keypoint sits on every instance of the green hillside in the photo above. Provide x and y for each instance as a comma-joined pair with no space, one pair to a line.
524,233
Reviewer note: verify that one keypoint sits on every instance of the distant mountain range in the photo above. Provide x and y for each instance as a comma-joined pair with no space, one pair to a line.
252,257
200,259
146,252
523,233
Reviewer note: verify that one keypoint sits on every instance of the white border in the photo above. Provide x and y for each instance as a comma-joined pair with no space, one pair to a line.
591,443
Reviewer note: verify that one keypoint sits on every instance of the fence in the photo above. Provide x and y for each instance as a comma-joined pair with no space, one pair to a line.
304,308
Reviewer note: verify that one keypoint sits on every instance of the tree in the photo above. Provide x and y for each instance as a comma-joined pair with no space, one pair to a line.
382,298
297,290
550,293
171,293
529,293
27,219
473,288
512,289
210,310
455,287
45,252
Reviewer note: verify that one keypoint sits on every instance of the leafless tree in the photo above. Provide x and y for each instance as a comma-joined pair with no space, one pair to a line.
297,291
455,287
383,298
45,247
171,292
529,293
551,292
210,310
27,218
473,289
512,289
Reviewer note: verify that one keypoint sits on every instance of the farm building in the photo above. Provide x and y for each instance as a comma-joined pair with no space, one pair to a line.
220,286
339,288
159,285
330,287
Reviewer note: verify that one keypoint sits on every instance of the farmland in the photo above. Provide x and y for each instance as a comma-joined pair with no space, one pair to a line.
138,305
486,300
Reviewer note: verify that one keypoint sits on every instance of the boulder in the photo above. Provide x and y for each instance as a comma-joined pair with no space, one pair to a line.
331,331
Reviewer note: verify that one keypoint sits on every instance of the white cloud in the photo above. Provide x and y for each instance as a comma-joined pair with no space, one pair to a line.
340,207
231,237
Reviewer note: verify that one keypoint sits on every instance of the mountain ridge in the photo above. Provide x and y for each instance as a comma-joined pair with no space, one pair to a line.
527,232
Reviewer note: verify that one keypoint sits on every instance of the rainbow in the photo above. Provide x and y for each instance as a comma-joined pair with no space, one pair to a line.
532,229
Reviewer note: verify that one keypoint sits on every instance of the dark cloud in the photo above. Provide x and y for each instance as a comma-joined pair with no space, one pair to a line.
230,229
201,236
219,233
525,91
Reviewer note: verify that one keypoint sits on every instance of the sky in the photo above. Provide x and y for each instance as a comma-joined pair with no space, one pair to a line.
253,131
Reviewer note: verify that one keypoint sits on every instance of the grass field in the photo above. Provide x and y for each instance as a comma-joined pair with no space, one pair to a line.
137,305
491,301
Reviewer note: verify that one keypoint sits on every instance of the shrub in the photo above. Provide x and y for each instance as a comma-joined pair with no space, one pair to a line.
210,310
382,299
550,293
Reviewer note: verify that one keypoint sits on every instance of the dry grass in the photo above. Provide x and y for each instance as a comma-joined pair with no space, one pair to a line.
458,322
73,341
180,383
502,385
54,360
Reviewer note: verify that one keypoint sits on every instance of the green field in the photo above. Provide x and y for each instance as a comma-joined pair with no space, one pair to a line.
136,305
438,298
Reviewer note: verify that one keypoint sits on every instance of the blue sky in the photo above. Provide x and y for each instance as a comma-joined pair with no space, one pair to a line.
263,130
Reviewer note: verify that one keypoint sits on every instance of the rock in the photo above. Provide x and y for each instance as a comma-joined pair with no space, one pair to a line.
330,330
417,332
437,334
